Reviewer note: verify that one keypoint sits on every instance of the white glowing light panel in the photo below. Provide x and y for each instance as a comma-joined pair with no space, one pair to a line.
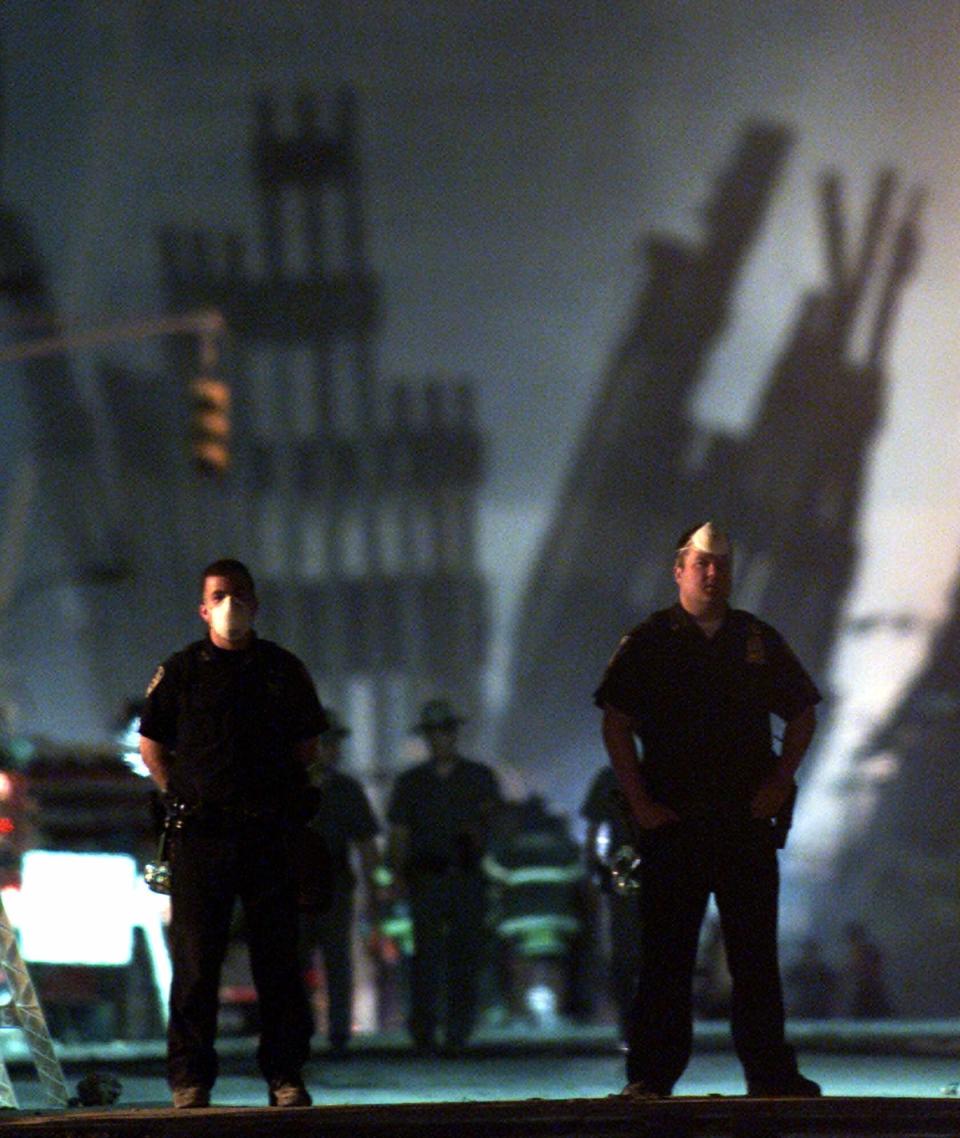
76,908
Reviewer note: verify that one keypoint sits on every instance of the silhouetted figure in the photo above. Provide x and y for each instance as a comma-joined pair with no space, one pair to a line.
603,809
344,820
697,683
811,983
868,997
440,815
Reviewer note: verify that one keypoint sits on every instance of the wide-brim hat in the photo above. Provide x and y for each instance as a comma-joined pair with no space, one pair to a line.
437,713
335,727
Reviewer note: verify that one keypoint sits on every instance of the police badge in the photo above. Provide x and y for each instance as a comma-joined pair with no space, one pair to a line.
157,677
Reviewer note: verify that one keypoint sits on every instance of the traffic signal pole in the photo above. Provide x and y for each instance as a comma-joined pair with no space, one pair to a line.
207,324
210,395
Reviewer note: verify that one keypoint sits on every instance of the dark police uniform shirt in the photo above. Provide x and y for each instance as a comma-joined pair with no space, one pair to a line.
231,720
448,817
344,816
701,706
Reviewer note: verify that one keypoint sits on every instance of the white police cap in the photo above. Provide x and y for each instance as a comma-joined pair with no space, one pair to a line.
709,539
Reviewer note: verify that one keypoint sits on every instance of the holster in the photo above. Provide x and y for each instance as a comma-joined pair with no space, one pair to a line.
784,819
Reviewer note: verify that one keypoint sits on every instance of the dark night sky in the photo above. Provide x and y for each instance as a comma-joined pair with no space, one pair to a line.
514,152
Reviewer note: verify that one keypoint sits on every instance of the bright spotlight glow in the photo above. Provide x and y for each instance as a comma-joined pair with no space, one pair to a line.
75,908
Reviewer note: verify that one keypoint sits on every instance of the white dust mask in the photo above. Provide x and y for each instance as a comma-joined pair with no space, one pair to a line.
230,619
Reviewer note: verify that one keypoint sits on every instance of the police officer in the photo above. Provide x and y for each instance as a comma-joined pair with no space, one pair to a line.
344,819
440,814
229,728
697,683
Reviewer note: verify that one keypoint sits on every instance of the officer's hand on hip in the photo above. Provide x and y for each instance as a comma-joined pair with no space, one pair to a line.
652,815
770,798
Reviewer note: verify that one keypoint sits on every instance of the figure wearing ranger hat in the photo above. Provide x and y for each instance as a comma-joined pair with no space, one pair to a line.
697,684
440,814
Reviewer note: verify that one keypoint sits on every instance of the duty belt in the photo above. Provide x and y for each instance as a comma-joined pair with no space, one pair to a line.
227,813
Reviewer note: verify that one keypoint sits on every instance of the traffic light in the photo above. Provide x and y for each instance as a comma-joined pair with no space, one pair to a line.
210,425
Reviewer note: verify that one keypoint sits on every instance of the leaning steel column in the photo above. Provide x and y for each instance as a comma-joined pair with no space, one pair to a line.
23,1011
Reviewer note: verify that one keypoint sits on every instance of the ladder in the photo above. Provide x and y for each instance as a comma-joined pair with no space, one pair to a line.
23,1011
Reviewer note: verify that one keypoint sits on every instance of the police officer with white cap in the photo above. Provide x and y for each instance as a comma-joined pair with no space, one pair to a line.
696,684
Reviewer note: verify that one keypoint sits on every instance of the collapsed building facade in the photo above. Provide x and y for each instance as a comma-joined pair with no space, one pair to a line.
353,501
62,549
898,865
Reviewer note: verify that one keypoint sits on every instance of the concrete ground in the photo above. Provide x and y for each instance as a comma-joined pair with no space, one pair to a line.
884,1060
393,1080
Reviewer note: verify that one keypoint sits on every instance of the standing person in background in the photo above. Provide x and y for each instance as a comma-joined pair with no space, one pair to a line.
536,872
697,684
344,819
440,815
868,998
229,728
811,983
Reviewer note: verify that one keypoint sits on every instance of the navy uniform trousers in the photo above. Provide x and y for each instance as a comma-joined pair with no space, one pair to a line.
213,865
448,910
682,865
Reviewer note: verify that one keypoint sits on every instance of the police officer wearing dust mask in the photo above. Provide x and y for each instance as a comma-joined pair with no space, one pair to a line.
229,729
697,684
